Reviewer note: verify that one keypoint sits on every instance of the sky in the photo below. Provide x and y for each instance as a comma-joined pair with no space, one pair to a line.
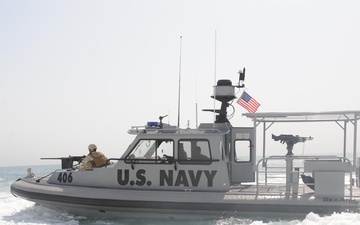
74,73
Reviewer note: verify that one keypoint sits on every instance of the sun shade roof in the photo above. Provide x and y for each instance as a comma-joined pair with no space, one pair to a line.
304,116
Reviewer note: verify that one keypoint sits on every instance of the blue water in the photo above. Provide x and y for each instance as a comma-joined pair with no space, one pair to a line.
17,211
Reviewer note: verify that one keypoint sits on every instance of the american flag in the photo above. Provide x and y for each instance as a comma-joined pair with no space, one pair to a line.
248,102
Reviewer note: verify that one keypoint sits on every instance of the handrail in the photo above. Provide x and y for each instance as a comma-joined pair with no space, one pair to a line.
180,161
264,163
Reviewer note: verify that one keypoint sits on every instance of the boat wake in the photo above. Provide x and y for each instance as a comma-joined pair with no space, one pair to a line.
36,214
26,213
310,219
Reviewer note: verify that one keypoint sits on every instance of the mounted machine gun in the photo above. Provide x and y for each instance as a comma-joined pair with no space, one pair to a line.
290,141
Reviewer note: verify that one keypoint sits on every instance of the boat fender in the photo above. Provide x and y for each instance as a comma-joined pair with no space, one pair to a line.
309,181
30,174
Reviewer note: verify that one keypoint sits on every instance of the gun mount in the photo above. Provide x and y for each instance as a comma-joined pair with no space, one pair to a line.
161,122
290,141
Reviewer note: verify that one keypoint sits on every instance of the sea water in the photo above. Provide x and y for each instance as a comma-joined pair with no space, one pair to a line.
18,211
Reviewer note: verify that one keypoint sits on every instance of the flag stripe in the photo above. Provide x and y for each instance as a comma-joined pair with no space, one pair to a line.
249,103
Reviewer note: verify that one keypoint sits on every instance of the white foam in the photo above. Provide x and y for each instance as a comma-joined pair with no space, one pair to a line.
10,205
310,219
21,212
334,219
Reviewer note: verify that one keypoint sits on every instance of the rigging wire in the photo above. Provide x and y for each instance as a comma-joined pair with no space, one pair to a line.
303,149
233,107
229,117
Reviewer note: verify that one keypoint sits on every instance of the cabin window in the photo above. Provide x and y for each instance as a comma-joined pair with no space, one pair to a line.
194,152
242,151
152,151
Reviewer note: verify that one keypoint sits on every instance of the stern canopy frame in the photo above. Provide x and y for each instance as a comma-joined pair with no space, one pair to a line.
342,118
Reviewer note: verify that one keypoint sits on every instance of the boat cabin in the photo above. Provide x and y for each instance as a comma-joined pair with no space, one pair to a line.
191,159
213,157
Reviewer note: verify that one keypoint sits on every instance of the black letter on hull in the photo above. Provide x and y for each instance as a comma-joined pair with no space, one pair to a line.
123,181
164,177
195,179
210,177
141,178
181,179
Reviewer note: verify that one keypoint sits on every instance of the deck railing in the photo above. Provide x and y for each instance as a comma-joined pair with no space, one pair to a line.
285,171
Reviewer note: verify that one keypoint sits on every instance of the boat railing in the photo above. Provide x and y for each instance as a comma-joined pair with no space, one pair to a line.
285,171
167,160
172,129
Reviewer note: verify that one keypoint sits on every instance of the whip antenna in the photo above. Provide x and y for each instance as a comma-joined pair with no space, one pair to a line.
179,83
196,105
214,115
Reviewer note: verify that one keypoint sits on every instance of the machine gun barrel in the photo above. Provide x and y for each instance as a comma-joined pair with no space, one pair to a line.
283,138
75,158
68,162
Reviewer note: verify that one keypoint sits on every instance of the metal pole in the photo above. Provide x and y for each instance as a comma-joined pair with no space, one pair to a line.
355,139
289,168
264,139
345,130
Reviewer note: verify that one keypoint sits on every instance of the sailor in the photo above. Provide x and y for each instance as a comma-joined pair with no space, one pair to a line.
197,154
93,159
182,153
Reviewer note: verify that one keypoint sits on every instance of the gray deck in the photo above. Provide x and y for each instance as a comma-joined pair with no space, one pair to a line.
277,191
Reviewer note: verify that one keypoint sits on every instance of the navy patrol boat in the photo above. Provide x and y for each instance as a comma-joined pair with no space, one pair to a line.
211,170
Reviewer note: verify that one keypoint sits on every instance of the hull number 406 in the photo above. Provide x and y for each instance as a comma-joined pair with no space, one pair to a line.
65,178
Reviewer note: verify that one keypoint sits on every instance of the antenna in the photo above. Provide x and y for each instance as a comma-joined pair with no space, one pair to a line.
196,105
214,115
241,78
179,83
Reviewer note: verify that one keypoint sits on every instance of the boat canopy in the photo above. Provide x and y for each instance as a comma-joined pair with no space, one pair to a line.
335,116
342,118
